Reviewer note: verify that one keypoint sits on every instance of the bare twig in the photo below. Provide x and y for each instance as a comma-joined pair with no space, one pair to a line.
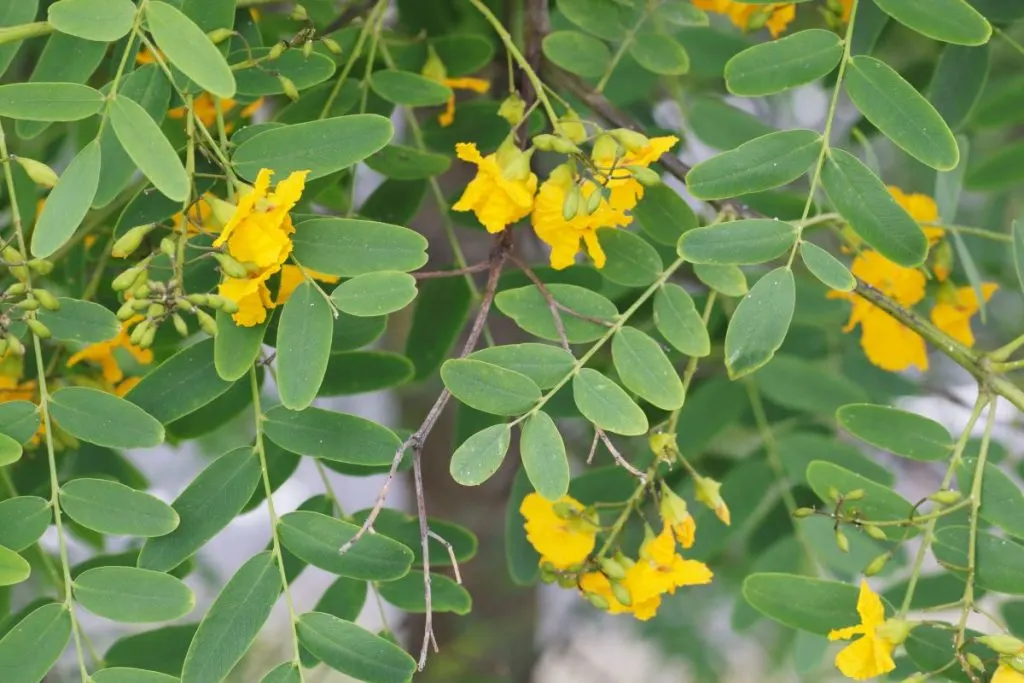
451,553
617,456
593,448
554,303
347,16
456,272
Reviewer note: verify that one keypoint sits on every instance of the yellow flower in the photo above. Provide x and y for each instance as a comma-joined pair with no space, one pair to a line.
205,107
1005,673
674,514
922,209
660,569
565,540
435,69
502,191
11,386
953,315
292,277
564,236
625,190
871,655
104,353
775,17
252,296
598,584
886,341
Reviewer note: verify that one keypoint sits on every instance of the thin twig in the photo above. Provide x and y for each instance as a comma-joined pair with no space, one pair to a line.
457,272
593,448
451,553
550,298
617,456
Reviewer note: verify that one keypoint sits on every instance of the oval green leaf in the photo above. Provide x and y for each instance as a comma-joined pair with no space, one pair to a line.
827,268
997,564
577,53
760,323
315,538
660,54
85,322
333,436
480,456
727,280
358,372
49,101
901,113
399,162
303,346
795,383
23,520
375,294
407,594
802,602
13,567
604,403
128,675
188,48
19,420
110,507
180,385
543,453
676,317
951,21
645,369
104,419
10,450
1002,502
353,650
546,365
409,89
778,65
133,596
350,247
68,202
101,20
764,163
147,146
33,645
489,388
743,242
632,262
897,431
304,71
530,310
236,348
664,215
320,147
874,215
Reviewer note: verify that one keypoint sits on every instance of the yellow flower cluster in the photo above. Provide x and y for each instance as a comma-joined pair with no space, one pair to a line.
505,191
775,16
259,237
871,654
104,354
885,340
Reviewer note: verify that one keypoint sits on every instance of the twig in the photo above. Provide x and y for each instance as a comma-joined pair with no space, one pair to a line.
593,448
451,553
617,456
346,17
457,272
552,301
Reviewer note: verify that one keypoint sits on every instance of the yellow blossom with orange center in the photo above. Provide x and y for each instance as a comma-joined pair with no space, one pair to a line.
625,190
871,654
560,531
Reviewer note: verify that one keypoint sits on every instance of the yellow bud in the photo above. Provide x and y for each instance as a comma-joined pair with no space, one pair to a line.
856,494
572,127
876,565
14,345
206,322
41,266
126,311
974,661
606,147
307,49
802,513
630,139
230,266
874,532
288,86
842,541
277,50
894,630
519,167
332,45
612,569
46,300
598,601
38,329
40,173
945,497
127,243
571,203
512,109
1003,644
621,593
219,35
434,68
708,492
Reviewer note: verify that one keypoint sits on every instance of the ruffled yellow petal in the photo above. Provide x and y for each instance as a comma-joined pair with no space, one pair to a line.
921,207
870,607
846,633
954,317
865,658
252,297
477,85
890,345
564,543
1007,674
496,200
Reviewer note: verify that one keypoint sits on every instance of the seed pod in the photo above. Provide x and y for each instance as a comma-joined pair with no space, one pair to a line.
288,86
946,497
180,325
842,541
332,45
874,532
127,243
126,311
40,173
14,345
28,304
876,565
230,266
801,513
856,494
206,322
126,279
38,329
47,300
138,332
41,266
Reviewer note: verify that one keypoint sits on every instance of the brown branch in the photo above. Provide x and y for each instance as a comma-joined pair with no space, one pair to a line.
347,16
457,272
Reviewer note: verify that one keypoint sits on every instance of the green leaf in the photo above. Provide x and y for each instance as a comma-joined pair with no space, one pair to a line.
489,388
180,385
897,431
68,202
110,507
375,294
529,309
632,262
874,215
161,650
64,59
409,89
801,602
951,21
395,201
303,346
660,54
792,382
320,147
206,506
930,648
406,530
353,651
764,163
263,78
359,372
399,162
778,65
333,436
133,596
997,564
10,450
664,215
352,333
350,247
233,622
19,420
879,504
996,171
682,14
236,348
727,280
14,13
958,82
343,599
126,675
49,101
741,242
32,647
23,520
1018,250
101,20
544,459
827,268
577,53
546,365
721,125
288,672
521,558
189,49
104,419
446,595
599,17
79,321
1002,502
147,146
13,567
480,456
797,450
645,370
760,323
316,538
676,317
604,403
901,113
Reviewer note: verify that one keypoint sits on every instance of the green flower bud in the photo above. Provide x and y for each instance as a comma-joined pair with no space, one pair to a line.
126,279
842,541
148,337
40,173
288,86
915,678
12,256
142,292
594,200
548,573
47,300
17,289
876,565
566,580
126,311
155,310
138,332
127,243
621,593
28,304
512,109
198,299
14,345
20,272
894,630
332,45
230,266
38,329
3,347
802,513
606,147
139,305
834,494
630,139
974,661
1003,644
598,601
545,142
183,305
277,50
946,497
179,324
874,532
206,322
219,35
612,569
299,13
41,266
856,494
307,49
168,246
571,203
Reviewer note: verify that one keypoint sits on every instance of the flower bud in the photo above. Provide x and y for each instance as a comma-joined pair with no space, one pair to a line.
28,304
307,49
842,541
606,148
230,266
127,243
38,329
946,497
332,45
612,569
915,678
434,68
139,305
148,337
12,256
299,13
594,200
854,495
566,580
803,513
571,203
1002,644
548,573
974,661
221,303
519,167
167,246
572,127
894,630
138,332
142,292
206,322
834,494
46,300
41,266
277,50
512,109
874,532
661,442
155,310
545,142
20,272
17,289
942,260
708,492
126,279
3,347
219,35
40,173
876,565
598,601
288,86
179,324
630,139
14,345
126,311
198,299
644,175
621,593
1016,662
758,19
